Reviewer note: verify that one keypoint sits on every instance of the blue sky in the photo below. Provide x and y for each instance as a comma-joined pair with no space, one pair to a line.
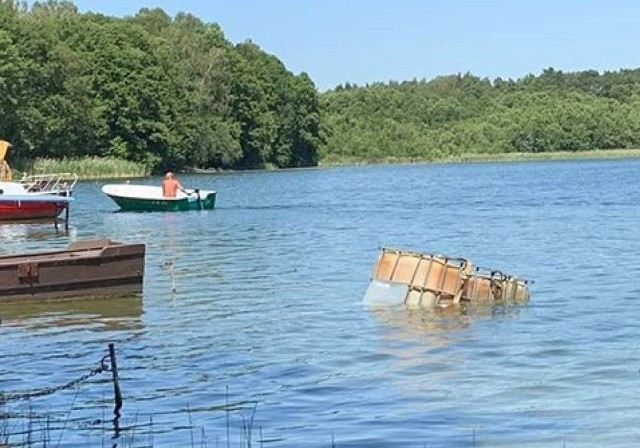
365,41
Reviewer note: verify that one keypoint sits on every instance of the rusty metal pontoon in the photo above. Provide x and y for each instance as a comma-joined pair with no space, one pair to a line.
95,268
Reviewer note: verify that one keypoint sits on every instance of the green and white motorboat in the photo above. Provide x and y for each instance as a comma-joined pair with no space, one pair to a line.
148,198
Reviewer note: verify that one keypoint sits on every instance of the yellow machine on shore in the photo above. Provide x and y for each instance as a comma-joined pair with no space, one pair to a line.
5,169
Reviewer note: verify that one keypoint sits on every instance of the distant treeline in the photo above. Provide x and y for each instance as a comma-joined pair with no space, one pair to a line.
175,93
460,114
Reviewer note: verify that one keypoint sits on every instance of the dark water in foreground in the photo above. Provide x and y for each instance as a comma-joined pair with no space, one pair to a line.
266,330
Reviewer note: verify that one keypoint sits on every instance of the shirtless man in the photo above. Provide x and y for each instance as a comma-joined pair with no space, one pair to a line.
170,185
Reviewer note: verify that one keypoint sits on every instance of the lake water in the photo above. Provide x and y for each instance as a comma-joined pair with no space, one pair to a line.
252,330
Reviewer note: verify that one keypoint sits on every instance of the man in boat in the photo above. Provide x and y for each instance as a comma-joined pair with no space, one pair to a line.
171,185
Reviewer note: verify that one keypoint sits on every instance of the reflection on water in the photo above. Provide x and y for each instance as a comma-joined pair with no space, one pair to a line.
432,325
436,324
32,230
111,313
408,333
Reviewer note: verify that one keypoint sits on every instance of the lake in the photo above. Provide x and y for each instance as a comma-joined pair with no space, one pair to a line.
252,330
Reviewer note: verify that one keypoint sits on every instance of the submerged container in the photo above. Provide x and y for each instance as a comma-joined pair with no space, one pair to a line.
431,279
484,286
423,280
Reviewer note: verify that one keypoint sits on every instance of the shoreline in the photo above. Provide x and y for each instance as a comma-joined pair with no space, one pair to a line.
86,172
488,157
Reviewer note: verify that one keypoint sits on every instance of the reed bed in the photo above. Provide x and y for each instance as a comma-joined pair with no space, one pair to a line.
233,425
557,155
234,429
485,157
88,167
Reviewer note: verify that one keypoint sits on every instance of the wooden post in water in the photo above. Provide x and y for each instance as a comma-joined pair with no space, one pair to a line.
116,384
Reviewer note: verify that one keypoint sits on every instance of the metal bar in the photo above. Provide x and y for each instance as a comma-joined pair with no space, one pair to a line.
116,384
395,266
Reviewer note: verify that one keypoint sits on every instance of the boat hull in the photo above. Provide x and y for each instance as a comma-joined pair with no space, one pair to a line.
18,209
164,205
21,202
93,268
144,198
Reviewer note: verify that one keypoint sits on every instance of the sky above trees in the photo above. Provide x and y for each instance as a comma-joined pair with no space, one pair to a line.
366,41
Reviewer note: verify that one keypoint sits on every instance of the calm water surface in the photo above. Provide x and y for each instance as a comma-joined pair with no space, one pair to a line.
252,314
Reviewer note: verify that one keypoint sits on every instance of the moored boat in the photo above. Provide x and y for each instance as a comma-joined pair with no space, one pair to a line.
17,203
90,268
34,197
149,198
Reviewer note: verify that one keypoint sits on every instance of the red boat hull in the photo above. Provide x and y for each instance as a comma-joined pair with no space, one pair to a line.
15,210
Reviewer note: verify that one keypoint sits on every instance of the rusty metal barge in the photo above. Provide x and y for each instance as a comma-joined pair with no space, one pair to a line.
89,268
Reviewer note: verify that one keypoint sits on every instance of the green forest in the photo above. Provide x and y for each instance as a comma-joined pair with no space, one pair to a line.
173,92
460,114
